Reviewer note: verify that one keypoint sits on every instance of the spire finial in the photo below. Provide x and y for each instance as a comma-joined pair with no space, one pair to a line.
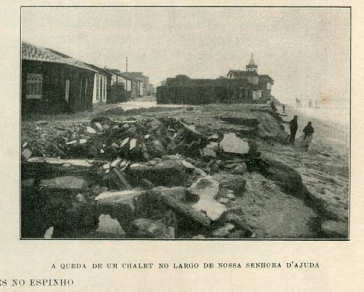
251,67
251,62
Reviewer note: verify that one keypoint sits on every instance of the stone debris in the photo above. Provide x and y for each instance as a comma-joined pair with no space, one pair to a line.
108,225
150,176
206,188
26,153
144,178
235,183
147,228
64,182
233,144
49,233
223,231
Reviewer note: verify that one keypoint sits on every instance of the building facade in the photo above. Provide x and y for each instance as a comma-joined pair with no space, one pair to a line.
240,86
53,82
261,84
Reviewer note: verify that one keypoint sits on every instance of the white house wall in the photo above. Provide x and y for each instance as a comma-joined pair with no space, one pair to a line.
100,88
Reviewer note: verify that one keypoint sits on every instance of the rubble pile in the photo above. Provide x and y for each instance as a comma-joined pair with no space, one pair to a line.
156,178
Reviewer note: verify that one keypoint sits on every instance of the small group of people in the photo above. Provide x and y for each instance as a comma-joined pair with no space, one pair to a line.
307,131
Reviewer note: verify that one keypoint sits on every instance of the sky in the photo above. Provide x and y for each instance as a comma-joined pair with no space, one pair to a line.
305,50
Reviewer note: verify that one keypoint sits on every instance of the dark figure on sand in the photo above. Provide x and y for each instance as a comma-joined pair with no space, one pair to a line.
283,108
293,129
308,131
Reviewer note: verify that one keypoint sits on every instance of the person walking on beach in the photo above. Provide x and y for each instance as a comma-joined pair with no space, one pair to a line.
308,132
293,126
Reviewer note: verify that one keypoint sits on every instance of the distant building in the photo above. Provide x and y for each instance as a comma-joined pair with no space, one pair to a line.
137,86
151,90
120,86
240,86
101,86
258,86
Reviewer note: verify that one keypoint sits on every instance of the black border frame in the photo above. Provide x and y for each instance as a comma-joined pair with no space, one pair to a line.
185,239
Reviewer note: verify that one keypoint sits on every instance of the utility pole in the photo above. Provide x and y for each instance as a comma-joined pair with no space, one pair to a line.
126,65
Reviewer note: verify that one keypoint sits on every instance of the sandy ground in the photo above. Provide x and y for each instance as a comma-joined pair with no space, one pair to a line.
270,211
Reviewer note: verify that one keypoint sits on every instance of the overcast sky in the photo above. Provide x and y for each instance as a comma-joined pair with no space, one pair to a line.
305,50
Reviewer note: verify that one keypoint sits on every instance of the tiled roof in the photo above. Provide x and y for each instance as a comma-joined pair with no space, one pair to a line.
35,53
98,69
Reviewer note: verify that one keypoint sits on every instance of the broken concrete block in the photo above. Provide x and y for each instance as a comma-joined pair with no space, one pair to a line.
49,233
119,197
157,148
229,195
116,162
178,193
99,126
223,231
122,205
234,182
146,184
122,178
207,189
106,166
231,216
200,236
197,170
26,153
65,182
124,142
58,161
171,199
71,142
240,168
214,138
109,225
224,200
147,228
210,150
80,198
233,144
133,143
90,130
166,172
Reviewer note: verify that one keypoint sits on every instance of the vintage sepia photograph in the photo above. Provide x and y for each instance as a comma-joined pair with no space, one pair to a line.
185,123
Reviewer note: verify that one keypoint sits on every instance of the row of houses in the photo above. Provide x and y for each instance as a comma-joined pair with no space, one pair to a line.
53,82
239,86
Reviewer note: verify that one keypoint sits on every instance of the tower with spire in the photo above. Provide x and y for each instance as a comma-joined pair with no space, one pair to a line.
251,67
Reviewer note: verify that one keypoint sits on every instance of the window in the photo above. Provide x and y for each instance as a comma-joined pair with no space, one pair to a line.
67,91
34,86
113,79
97,87
104,89
128,85
86,83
